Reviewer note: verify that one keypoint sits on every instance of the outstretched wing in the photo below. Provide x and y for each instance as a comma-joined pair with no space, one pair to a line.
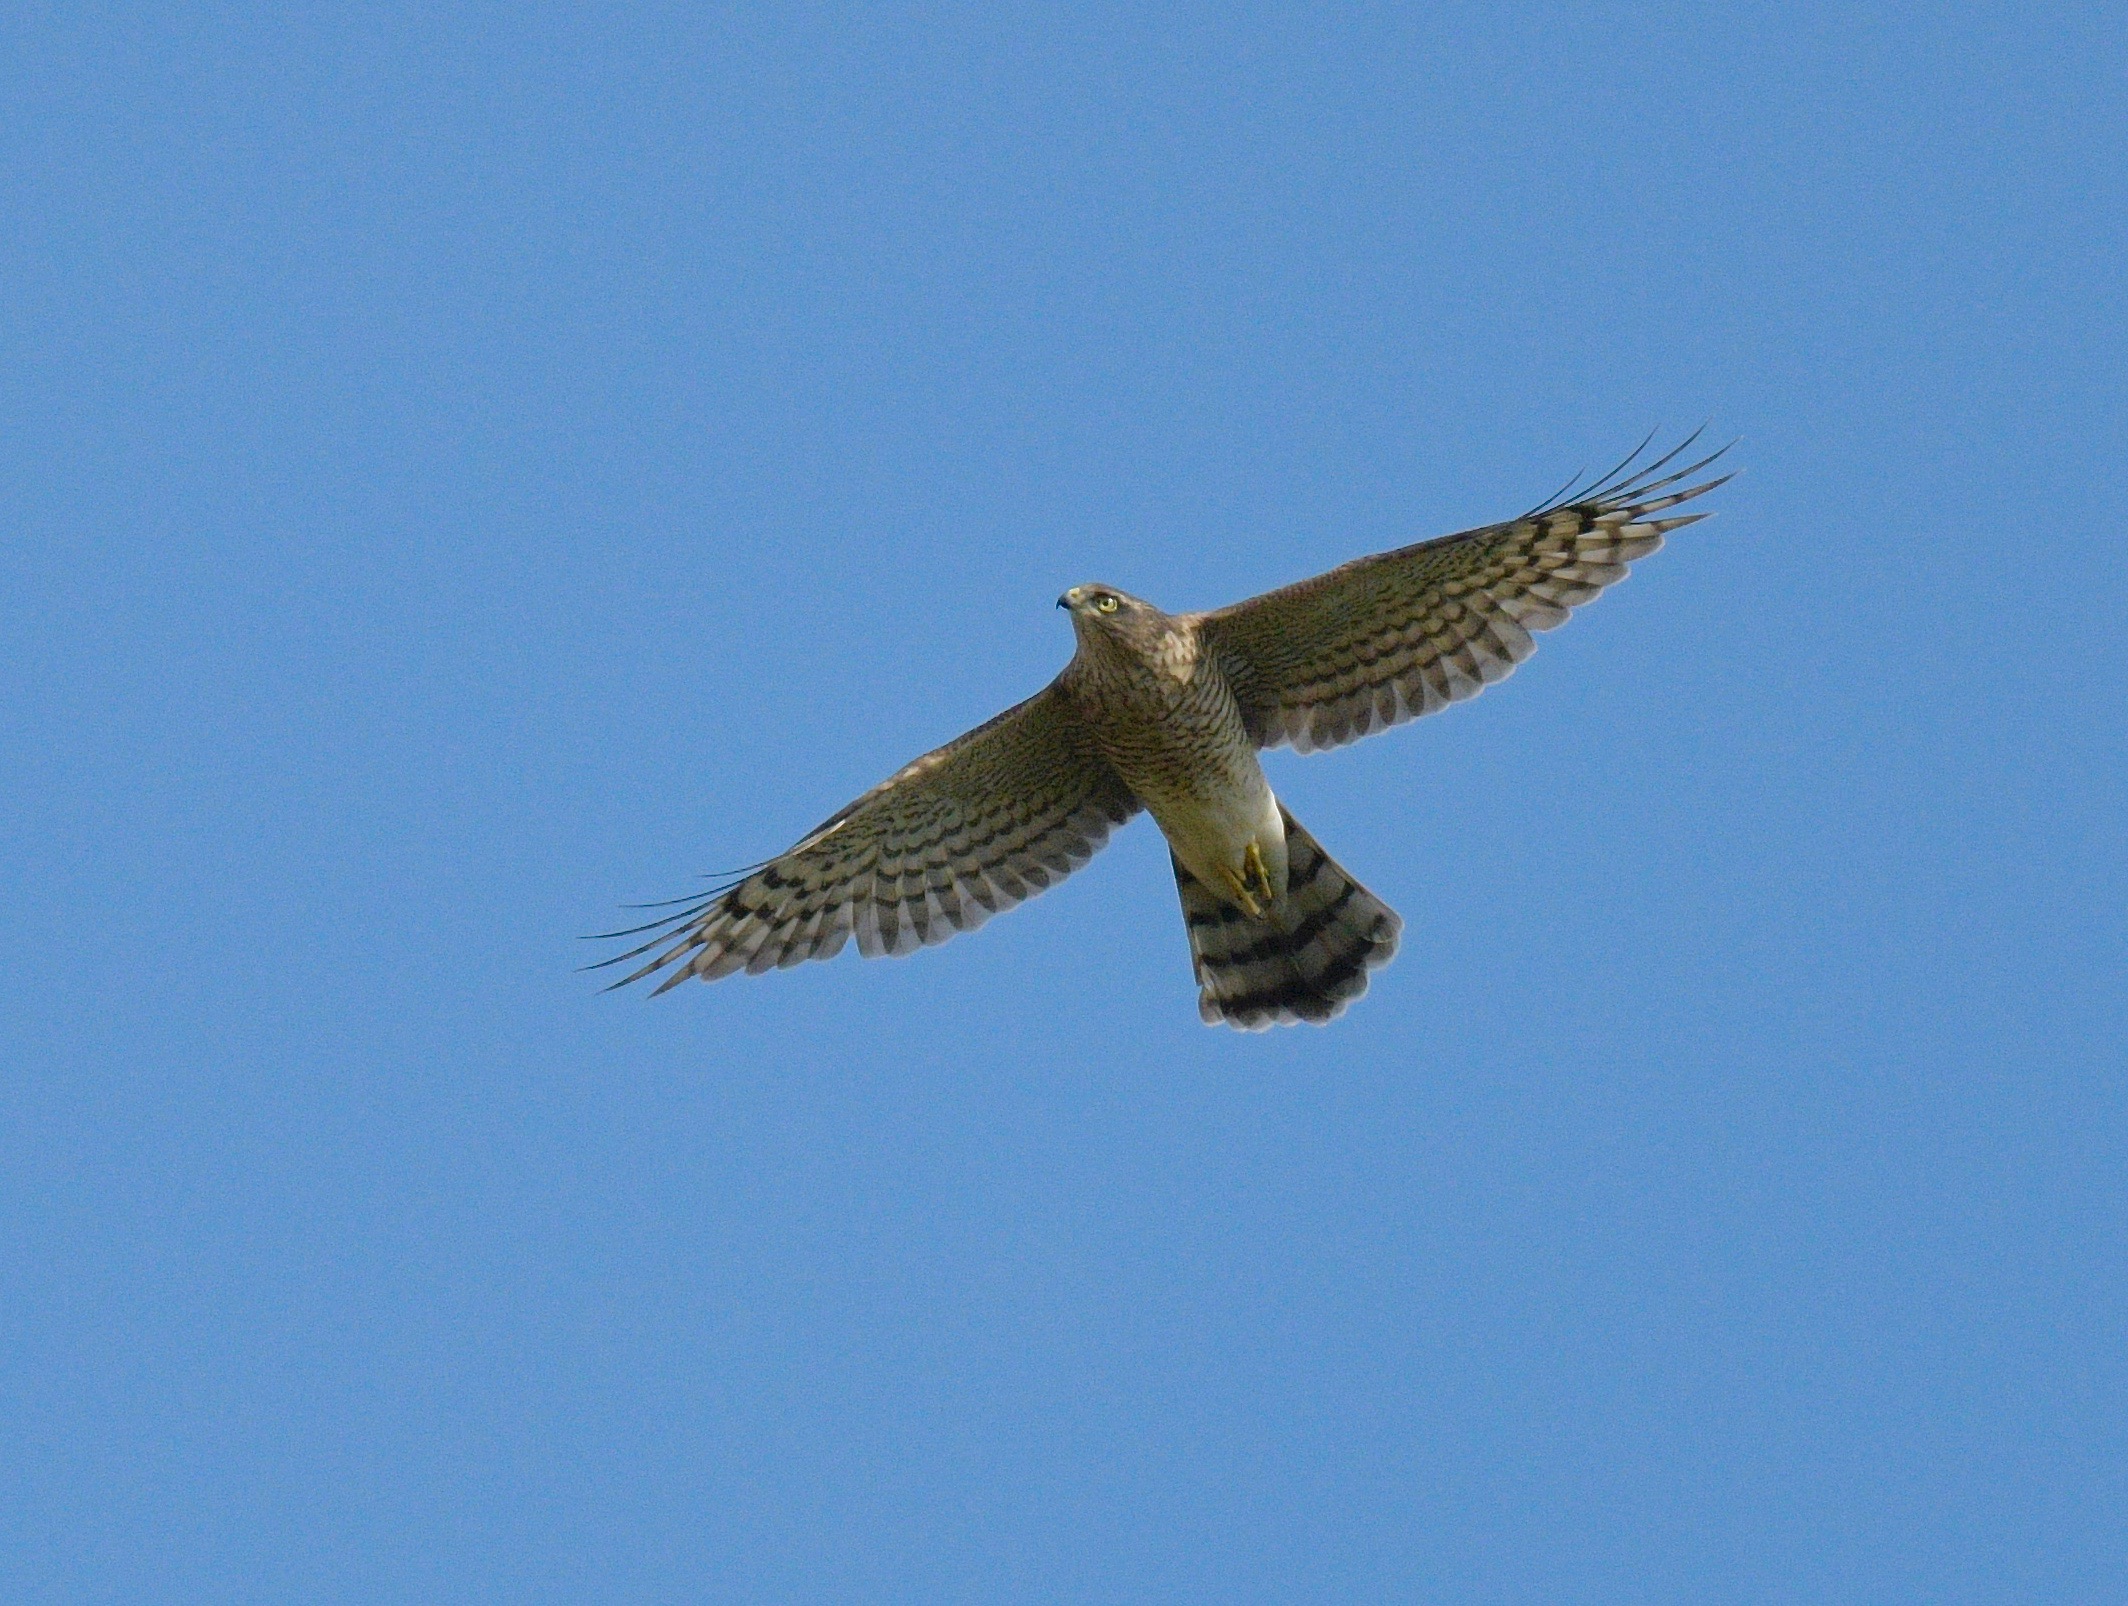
1390,637
939,847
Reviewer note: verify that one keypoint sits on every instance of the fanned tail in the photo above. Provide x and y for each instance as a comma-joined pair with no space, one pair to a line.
1306,961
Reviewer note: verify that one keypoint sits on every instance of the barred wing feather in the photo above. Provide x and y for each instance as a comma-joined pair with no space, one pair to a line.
970,829
1387,638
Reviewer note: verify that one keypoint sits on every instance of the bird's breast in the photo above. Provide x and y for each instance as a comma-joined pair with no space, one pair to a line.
1184,750
1167,735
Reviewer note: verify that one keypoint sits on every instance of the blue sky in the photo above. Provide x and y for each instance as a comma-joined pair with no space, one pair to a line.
469,469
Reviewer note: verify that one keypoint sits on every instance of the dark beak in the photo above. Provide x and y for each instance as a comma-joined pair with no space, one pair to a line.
1064,601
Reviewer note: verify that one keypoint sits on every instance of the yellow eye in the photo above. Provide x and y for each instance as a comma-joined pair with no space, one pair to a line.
1105,603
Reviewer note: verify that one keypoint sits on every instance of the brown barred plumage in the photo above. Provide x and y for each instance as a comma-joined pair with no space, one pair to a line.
1166,712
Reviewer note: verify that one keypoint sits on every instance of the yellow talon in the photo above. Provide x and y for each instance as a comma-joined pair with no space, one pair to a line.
1252,869
1240,889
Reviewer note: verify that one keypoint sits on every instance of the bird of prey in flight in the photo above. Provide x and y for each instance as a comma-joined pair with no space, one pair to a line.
1166,712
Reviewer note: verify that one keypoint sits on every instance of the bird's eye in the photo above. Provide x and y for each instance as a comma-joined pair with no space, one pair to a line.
1106,603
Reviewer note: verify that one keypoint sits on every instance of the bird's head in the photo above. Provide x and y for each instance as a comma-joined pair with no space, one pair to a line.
1104,608
1116,627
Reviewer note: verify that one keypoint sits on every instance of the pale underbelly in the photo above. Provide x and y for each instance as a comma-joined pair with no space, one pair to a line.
1211,829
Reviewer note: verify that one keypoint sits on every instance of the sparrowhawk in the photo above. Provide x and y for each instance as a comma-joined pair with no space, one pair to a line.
1166,712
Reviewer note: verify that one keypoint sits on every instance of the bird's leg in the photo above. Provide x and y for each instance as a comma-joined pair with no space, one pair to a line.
1252,869
1239,890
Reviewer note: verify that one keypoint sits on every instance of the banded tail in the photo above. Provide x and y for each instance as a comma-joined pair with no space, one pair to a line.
1306,962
